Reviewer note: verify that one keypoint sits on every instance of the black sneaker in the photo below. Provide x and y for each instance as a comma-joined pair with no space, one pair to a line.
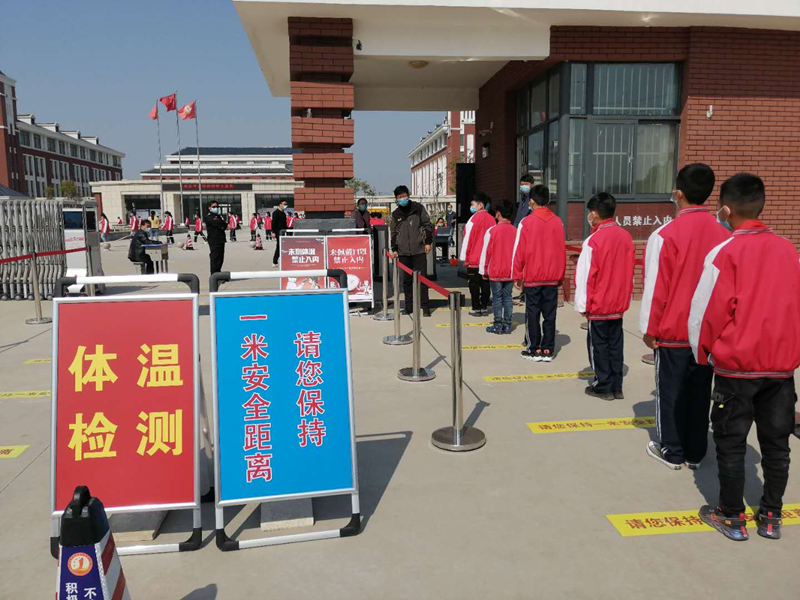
733,528
426,312
692,466
619,395
476,313
655,450
527,355
769,526
485,312
797,430
590,391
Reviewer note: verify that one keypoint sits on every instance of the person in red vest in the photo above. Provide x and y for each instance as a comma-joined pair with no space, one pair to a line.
198,228
290,220
233,222
268,226
168,227
104,227
471,249
133,221
253,227
119,220
376,219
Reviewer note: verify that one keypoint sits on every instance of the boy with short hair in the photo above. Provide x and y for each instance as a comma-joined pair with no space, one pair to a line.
745,323
673,265
495,265
471,249
539,261
603,288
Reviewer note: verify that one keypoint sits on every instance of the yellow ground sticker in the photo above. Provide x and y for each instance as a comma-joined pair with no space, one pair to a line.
537,377
466,324
495,347
38,361
26,394
12,451
682,521
592,424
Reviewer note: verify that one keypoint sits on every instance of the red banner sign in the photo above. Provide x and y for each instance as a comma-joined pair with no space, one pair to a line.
302,254
124,401
353,254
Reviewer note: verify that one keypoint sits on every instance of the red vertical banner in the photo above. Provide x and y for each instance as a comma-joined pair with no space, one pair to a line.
124,401
353,254
302,254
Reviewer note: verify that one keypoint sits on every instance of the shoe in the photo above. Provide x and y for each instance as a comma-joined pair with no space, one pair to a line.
485,312
275,266
476,313
692,466
496,329
547,356
732,528
590,391
655,450
619,395
506,330
537,357
797,430
527,355
769,526
427,312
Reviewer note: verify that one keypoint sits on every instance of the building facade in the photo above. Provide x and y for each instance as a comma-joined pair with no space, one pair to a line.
242,180
434,158
35,156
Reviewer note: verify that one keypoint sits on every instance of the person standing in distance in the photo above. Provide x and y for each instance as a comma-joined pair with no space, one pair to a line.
524,204
215,228
279,226
361,216
411,240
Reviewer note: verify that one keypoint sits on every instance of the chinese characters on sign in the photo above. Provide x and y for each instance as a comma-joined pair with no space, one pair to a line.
256,413
124,402
309,375
640,221
302,254
353,254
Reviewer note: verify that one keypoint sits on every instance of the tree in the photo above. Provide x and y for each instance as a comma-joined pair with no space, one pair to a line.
69,190
49,192
361,187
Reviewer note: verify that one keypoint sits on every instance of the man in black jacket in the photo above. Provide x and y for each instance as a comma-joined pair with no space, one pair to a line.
279,225
215,230
136,252
411,240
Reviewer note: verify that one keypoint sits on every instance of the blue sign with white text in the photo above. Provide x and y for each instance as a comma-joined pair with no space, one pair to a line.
79,575
283,395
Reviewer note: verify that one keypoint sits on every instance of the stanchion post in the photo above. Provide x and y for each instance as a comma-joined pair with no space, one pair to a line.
385,315
416,372
37,296
397,339
457,438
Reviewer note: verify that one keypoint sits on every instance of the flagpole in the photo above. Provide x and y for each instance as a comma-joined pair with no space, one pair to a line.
160,160
180,168
197,137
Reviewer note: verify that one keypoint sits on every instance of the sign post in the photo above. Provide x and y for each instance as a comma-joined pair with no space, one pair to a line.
126,404
283,402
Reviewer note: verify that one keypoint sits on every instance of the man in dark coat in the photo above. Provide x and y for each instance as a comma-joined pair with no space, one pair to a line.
279,226
215,230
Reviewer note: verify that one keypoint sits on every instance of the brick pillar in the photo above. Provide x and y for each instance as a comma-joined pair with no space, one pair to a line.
320,66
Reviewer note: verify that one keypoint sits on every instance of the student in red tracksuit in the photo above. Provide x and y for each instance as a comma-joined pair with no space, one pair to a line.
673,264
133,222
253,227
471,248
540,259
268,226
168,227
495,265
603,288
745,323
233,223
198,228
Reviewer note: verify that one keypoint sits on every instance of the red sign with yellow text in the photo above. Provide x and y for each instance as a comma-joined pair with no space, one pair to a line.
124,403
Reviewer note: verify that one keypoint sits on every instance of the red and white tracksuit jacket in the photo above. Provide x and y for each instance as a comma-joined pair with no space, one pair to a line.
745,315
539,256
289,222
198,225
253,224
232,222
134,223
474,232
673,263
604,275
104,226
498,250
168,225
268,223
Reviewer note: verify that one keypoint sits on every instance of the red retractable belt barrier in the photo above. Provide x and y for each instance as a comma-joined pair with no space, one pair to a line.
435,287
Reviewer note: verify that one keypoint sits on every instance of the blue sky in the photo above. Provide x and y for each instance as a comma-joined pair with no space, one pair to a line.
97,66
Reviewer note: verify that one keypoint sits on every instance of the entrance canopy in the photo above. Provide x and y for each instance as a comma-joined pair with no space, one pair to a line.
436,54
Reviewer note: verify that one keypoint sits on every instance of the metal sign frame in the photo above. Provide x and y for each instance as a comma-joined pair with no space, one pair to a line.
225,543
194,541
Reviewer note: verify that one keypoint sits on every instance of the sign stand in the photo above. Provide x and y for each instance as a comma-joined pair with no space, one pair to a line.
289,470
107,303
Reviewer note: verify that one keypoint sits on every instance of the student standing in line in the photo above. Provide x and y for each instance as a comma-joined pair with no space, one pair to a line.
495,265
540,261
745,323
603,288
471,249
673,265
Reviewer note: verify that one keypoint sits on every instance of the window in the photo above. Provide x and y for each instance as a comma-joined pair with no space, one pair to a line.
25,138
655,157
37,141
73,151
93,155
51,145
83,153
639,89
62,148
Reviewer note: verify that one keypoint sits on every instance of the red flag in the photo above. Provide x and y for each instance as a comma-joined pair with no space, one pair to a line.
153,114
170,101
188,112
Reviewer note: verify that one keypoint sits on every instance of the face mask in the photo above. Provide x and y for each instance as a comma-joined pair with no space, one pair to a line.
147,231
473,209
525,189
362,207
214,210
672,199
725,223
402,202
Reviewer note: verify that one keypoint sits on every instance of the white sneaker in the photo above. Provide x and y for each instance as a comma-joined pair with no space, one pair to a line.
538,357
547,358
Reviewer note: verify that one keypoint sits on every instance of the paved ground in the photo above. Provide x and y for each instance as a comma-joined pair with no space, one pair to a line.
524,517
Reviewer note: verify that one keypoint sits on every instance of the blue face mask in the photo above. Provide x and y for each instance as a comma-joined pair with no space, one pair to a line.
525,189
402,202
214,210
473,210
725,224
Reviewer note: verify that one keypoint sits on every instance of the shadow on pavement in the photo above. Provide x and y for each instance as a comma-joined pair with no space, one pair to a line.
7,347
706,478
647,408
206,593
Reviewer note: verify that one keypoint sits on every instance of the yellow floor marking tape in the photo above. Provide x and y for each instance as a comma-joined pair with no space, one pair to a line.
495,347
537,377
12,451
38,361
682,521
487,324
592,424
26,394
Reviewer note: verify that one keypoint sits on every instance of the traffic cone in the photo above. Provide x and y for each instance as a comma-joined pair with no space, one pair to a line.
189,245
259,245
88,563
